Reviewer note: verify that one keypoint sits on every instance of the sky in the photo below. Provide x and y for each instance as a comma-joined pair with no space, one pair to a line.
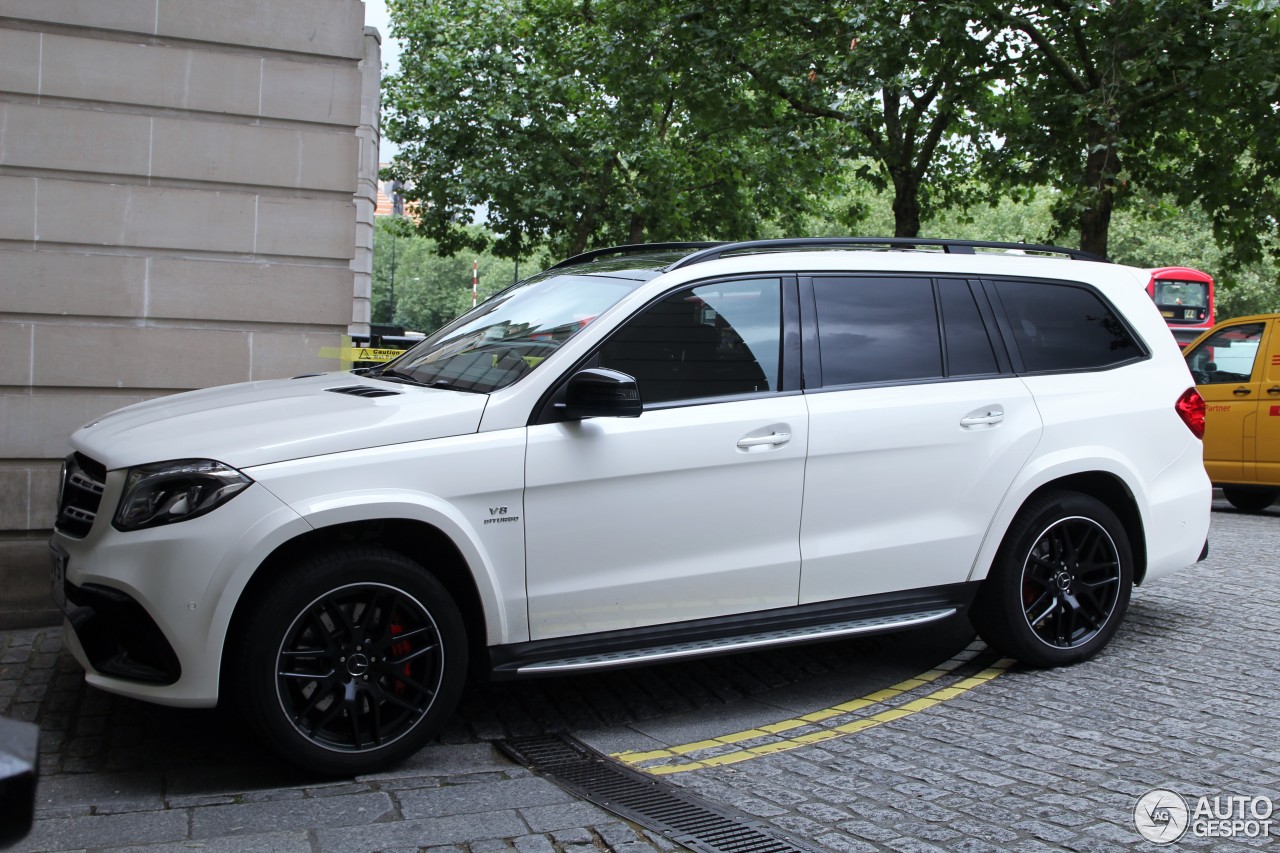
375,15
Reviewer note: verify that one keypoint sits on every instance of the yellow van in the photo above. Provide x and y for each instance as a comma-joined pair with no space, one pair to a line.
1236,367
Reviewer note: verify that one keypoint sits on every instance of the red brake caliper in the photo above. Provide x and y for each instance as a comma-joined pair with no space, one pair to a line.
400,648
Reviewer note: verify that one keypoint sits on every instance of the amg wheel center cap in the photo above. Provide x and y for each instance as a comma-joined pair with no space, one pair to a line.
358,664
1063,580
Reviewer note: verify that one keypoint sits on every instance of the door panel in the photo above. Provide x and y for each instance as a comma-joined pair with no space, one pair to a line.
903,481
682,513
1228,376
1268,423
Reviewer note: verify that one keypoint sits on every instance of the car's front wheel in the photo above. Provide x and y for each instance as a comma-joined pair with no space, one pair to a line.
352,660
1060,584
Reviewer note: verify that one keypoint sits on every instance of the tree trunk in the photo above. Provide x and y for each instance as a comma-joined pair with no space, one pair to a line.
635,234
906,202
1100,170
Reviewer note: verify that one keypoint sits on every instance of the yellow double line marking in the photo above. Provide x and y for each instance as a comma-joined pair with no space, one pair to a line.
683,764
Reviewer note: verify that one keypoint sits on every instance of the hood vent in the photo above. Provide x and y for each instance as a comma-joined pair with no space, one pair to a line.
364,391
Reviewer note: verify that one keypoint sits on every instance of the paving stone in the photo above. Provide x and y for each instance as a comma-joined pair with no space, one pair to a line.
103,831
470,799
534,844
301,813
567,816
265,842
460,829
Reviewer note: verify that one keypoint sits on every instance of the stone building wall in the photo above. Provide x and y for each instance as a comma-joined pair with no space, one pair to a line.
183,189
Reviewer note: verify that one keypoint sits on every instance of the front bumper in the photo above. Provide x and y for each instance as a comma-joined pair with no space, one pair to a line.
117,636
148,611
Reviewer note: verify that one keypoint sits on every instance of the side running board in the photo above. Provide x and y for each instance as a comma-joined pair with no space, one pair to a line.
739,643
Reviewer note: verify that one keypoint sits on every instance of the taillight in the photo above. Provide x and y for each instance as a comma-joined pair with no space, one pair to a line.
1190,408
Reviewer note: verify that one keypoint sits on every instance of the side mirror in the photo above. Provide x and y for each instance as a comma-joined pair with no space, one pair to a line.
19,743
600,393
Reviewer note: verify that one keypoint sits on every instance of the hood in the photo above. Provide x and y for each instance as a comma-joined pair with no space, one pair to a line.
255,423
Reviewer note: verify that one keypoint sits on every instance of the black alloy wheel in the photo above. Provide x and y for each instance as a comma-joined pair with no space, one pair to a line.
359,667
1071,582
1060,583
351,660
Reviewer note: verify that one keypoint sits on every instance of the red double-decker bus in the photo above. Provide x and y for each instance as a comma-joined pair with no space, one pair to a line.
1185,299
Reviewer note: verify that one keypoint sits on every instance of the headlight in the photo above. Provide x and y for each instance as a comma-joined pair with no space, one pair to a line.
175,491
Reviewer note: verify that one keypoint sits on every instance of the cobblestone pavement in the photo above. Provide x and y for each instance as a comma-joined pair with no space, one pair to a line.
1185,698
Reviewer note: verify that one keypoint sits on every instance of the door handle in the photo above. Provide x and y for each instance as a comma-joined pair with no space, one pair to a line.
1274,389
1242,392
984,417
774,438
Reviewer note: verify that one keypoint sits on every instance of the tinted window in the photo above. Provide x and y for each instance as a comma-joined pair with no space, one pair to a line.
1064,327
968,347
1227,355
877,330
709,341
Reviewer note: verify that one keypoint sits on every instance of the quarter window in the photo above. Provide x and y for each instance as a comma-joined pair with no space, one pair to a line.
715,340
1064,327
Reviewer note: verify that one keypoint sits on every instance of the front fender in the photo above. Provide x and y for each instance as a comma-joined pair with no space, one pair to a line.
505,617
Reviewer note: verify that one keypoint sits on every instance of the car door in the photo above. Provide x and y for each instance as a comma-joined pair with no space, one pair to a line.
914,437
1229,378
1268,440
691,510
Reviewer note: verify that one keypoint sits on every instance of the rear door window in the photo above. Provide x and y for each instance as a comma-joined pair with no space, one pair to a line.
879,329
874,330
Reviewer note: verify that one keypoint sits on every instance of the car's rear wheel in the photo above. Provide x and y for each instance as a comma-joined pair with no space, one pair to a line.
1060,584
352,660
1250,500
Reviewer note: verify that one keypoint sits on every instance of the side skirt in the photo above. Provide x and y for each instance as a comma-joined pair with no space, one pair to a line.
809,623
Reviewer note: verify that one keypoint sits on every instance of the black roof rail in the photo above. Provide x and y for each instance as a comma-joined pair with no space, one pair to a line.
631,249
958,247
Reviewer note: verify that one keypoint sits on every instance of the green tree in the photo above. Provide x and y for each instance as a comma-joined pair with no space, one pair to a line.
569,124
430,289
904,84
1159,95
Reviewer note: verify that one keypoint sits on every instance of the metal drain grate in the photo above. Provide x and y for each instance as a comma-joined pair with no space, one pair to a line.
656,805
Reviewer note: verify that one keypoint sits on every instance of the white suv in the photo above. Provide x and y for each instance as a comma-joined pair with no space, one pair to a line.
642,454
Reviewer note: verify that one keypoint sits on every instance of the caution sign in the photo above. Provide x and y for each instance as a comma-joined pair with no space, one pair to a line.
369,354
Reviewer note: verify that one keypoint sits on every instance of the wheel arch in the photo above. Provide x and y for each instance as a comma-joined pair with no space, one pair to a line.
1104,486
417,540
1112,491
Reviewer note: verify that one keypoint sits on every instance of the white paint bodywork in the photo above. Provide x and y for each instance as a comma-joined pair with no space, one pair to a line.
665,518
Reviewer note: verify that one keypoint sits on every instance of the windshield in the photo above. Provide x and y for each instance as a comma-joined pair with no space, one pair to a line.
1193,294
510,334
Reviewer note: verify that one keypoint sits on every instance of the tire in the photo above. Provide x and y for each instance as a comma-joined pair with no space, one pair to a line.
1250,500
1060,583
351,661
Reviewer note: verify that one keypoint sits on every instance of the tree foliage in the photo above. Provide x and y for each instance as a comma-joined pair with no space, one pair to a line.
570,124
1108,99
905,85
